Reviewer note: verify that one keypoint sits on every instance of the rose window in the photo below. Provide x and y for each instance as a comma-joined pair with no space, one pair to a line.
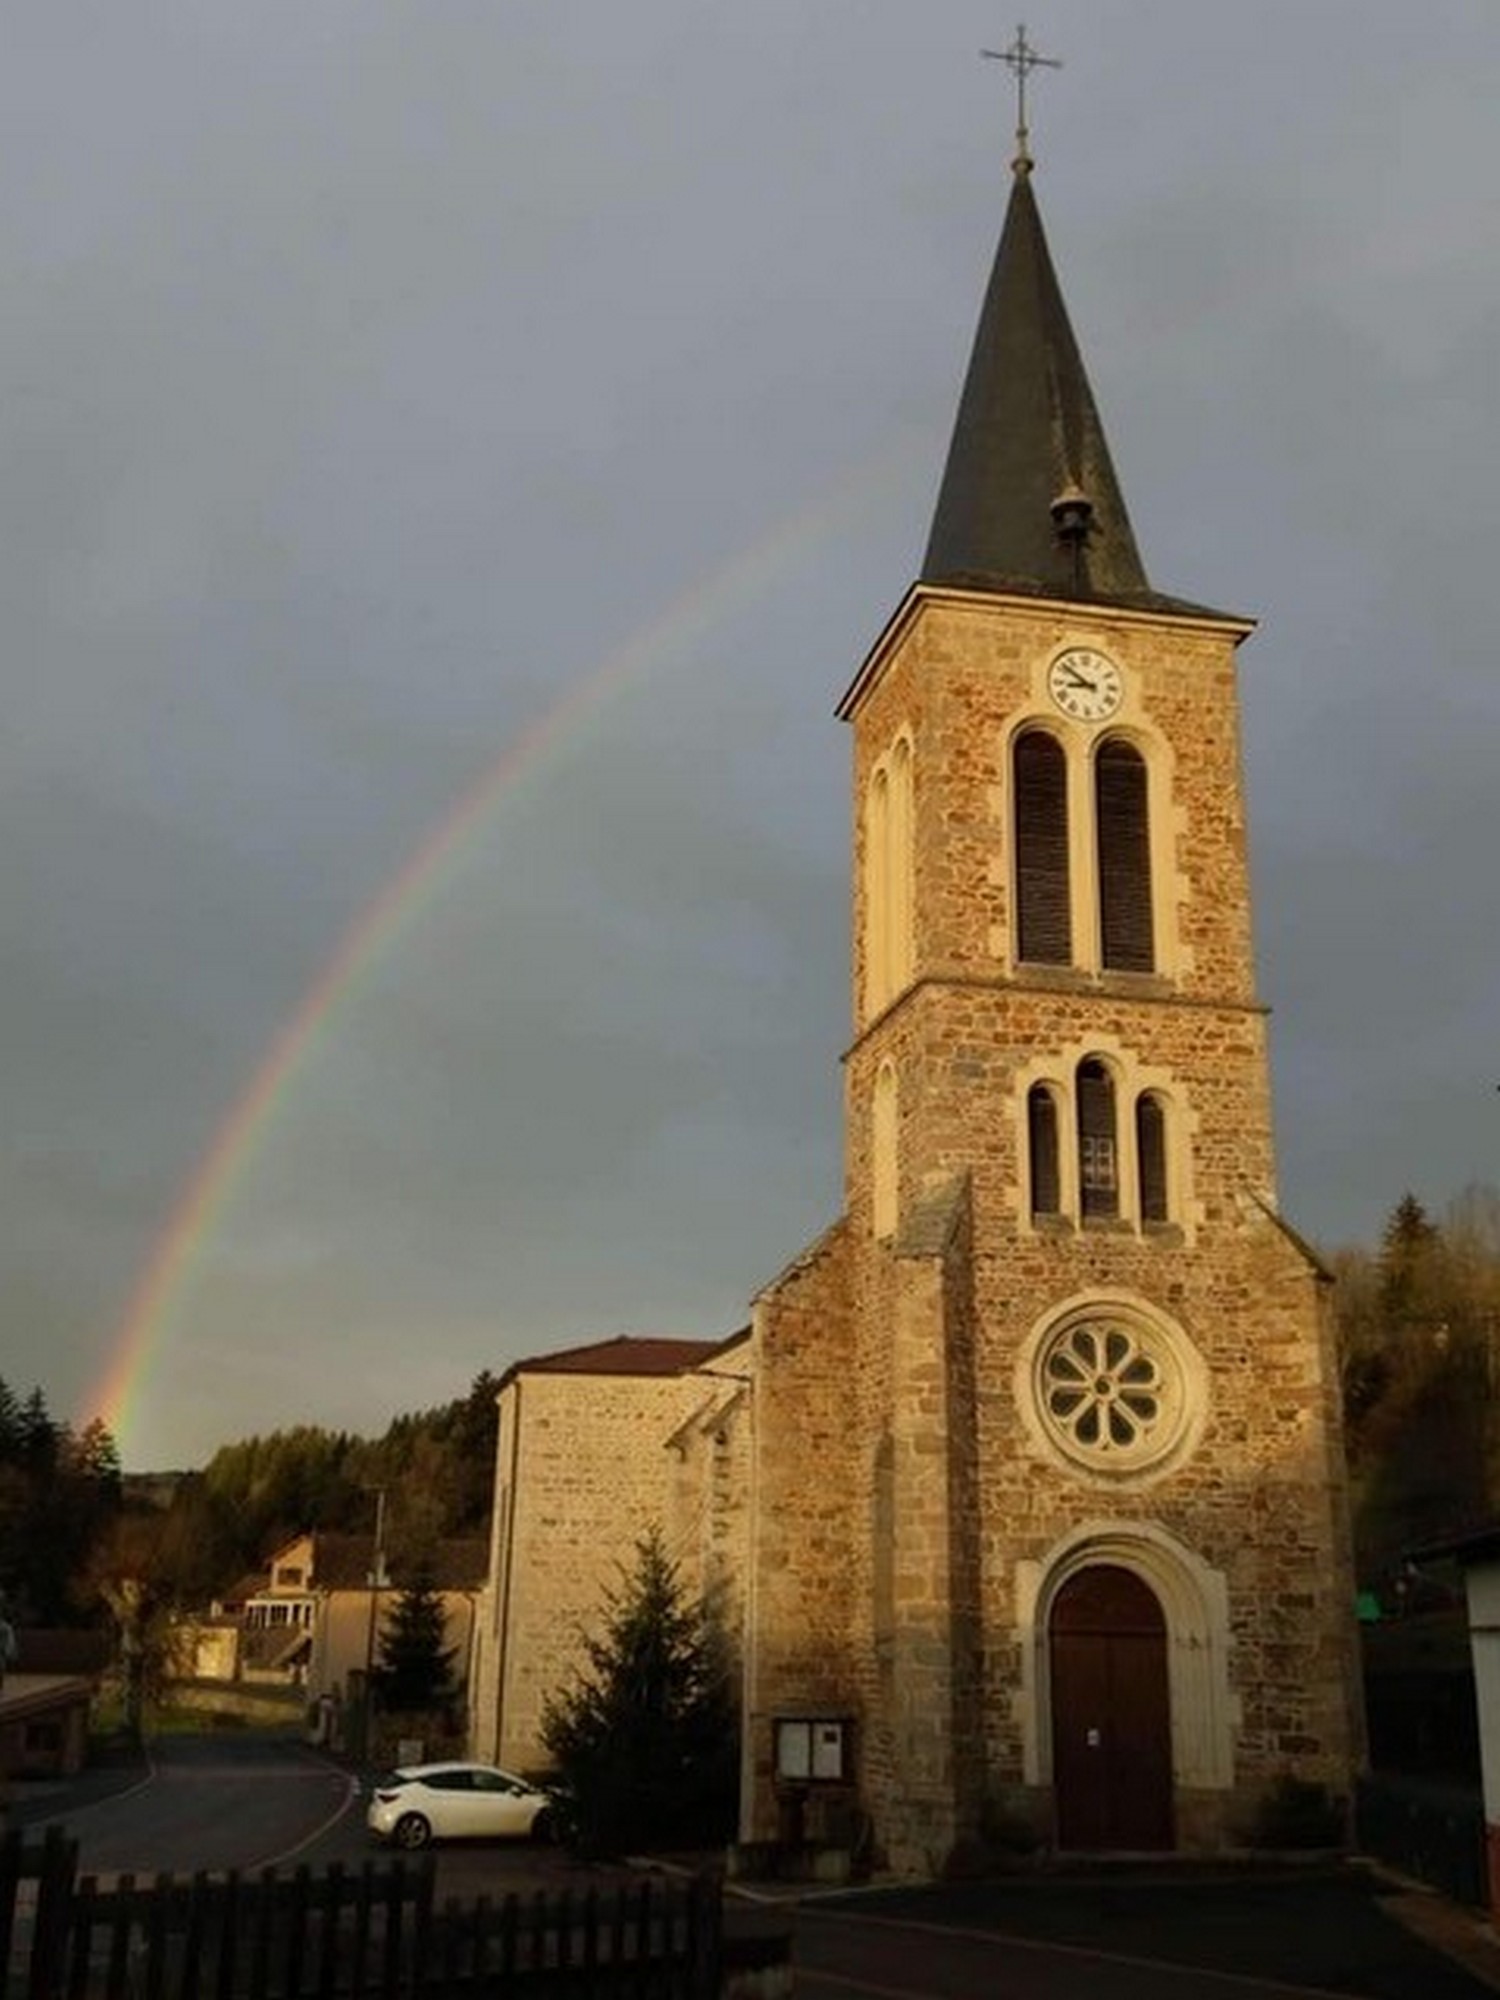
1110,1393
1102,1388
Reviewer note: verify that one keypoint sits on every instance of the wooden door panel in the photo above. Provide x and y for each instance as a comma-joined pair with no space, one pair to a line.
1111,1718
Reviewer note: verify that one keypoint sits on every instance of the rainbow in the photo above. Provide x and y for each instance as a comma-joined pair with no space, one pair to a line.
155,1300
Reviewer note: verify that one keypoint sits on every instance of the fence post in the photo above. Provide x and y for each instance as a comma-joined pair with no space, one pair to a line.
705,1929
57,1872
12,1860
420,1951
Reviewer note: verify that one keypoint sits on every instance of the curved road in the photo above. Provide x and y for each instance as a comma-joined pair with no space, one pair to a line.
236,1800
246,1800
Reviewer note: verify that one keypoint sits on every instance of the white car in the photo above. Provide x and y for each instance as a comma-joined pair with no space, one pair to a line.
423,1802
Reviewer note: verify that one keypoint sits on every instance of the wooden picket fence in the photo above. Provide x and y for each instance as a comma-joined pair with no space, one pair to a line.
342,1934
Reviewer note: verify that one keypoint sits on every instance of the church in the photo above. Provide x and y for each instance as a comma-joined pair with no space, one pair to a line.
1028,1471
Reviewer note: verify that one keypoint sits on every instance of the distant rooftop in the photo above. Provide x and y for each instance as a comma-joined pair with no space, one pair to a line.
627,1354
344,1562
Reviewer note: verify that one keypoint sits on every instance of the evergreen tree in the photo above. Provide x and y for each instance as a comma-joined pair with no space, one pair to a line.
10,1424
95,1456
646,1737
1409,1252
41,1438
470,1434
415,1670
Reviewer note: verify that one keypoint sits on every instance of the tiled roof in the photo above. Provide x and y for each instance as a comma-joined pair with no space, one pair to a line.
54,1650
343,1562
249,1585
627,1354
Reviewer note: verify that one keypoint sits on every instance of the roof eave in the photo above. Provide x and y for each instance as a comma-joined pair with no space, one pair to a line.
1162,610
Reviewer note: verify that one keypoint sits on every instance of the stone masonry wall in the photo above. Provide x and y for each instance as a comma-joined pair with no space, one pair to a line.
592,1471
808,1520
1261,1495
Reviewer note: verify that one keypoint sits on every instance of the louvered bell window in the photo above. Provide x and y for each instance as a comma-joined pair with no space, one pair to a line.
1044,931
1098,1155
1124,835
1151,1157
1041,1137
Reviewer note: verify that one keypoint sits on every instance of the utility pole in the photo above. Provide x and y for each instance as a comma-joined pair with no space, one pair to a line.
375,1577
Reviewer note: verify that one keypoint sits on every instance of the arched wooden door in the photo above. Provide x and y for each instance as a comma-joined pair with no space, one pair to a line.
1111,1713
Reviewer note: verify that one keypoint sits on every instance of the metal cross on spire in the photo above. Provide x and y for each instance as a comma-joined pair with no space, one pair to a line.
1021,59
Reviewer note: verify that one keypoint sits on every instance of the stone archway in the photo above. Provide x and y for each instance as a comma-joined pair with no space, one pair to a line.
1194,1604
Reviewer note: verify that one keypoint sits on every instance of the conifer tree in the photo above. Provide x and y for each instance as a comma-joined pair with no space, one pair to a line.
416,1668
646,1737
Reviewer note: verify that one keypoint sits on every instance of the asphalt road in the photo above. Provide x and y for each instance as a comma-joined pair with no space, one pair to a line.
246,1800
241,1800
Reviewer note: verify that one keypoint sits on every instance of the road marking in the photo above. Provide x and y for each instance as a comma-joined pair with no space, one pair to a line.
92,1805
1240,1980
804,1975
191,1774
351,1793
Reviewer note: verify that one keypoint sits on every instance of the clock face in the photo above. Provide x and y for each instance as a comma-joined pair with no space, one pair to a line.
1085,684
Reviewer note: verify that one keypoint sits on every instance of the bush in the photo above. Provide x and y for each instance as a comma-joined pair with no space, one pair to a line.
1297,1813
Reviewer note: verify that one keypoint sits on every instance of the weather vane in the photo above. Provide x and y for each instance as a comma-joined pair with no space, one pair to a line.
1021,59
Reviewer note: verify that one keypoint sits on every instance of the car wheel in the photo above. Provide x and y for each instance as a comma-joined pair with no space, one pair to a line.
411,1830
544,1827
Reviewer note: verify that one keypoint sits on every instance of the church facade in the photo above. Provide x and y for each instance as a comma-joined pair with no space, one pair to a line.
1048,1514
1037,1479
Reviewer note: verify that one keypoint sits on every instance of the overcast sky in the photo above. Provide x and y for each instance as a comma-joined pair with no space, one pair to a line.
392,394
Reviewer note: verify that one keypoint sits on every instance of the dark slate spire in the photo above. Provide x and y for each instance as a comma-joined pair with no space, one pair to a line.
1029,500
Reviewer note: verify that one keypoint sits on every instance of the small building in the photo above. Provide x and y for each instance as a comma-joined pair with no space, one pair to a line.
313,1618
1478,1556
44,1724
598,1444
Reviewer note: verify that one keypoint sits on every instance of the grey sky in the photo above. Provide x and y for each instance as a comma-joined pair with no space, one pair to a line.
371,375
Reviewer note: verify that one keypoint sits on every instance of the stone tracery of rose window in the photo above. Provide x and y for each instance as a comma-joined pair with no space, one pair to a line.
1102,1388
1110,1391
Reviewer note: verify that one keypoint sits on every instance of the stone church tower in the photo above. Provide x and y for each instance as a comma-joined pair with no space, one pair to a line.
1048,1516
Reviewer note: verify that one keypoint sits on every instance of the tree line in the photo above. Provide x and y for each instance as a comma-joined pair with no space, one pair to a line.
1418,1325
81,1543
59,1492
1419,1355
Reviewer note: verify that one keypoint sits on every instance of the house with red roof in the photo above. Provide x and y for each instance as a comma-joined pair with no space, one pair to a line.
312,1618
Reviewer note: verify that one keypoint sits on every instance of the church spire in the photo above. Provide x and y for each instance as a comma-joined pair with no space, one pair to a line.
1029,500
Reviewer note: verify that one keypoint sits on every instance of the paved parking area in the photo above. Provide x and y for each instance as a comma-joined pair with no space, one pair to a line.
1325,1930
1330,1930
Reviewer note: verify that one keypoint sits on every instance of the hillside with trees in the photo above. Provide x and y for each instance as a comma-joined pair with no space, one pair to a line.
1419,1341
1418,1318
81,1544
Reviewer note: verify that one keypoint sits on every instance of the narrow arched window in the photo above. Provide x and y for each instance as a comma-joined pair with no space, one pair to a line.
883,1153
1042,1151
1098,1155
900,866
877,891
1123,830
1151,1157
1044,929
